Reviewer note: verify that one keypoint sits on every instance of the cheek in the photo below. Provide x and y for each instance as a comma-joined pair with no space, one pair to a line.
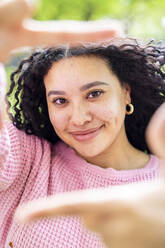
57,120
110,111
105,114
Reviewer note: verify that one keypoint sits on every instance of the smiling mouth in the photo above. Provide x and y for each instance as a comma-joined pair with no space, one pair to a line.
87,136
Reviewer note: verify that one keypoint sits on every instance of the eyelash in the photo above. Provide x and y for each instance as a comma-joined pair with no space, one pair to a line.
100,91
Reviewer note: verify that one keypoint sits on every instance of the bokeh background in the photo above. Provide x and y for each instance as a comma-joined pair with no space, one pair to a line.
141,18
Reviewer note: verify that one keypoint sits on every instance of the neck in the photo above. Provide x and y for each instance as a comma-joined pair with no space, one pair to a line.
121,155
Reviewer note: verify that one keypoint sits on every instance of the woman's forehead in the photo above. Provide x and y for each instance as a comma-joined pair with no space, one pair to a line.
75,72
78,64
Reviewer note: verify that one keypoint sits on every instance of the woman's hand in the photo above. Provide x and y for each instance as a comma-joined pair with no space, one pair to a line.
17,29
126,216
155,133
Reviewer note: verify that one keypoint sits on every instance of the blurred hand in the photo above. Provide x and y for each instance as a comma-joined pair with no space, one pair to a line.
155,133
14,12
17,29
127,216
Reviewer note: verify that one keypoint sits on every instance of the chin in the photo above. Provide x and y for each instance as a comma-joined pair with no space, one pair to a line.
90,151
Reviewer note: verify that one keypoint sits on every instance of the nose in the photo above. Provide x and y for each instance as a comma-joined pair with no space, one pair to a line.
80,114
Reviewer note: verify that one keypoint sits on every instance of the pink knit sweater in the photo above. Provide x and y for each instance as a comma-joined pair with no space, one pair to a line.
31,168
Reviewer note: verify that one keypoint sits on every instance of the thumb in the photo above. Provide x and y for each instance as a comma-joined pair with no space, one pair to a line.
13,12
105,214
155,133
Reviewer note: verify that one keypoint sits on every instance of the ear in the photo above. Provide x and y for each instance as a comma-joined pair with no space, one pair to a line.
127,92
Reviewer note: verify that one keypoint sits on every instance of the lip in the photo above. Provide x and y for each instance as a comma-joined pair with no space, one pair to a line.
88,135
85,132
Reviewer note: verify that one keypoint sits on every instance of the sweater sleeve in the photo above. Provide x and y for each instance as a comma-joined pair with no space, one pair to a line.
17,150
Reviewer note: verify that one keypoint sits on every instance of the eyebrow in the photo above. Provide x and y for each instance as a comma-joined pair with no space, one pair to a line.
82,88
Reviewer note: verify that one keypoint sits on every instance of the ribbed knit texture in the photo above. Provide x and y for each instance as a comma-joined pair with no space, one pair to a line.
31,168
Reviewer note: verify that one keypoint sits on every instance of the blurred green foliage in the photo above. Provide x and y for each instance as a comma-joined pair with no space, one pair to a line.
142,18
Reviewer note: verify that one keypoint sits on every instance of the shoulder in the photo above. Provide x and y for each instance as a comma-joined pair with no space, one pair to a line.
19,138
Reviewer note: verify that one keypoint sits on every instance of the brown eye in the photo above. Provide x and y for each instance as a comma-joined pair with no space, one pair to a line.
95,93
59,101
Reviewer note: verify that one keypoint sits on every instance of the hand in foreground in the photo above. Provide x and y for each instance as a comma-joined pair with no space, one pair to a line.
126,216
129,216
17,29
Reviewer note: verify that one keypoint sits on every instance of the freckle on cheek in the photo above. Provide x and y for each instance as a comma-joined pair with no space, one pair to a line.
105,114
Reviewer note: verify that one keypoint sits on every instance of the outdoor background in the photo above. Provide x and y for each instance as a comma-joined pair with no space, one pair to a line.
142,18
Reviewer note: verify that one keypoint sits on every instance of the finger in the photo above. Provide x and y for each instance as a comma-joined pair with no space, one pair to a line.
13,12
83,201
106,214
71,203
92,212
52,33
155,134
73,32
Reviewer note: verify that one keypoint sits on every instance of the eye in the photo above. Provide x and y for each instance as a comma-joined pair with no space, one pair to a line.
95,93
59,101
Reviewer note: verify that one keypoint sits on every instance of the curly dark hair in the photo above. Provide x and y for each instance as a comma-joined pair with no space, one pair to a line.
139,65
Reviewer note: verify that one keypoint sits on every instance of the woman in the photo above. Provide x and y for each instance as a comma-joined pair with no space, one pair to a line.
86,110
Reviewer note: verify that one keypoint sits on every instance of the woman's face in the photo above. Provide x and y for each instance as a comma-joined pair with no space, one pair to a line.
83,94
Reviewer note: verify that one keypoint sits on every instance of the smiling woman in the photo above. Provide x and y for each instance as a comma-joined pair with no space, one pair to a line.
81,110
85,110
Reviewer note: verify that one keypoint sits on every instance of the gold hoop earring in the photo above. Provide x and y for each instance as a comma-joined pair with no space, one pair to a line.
129,109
